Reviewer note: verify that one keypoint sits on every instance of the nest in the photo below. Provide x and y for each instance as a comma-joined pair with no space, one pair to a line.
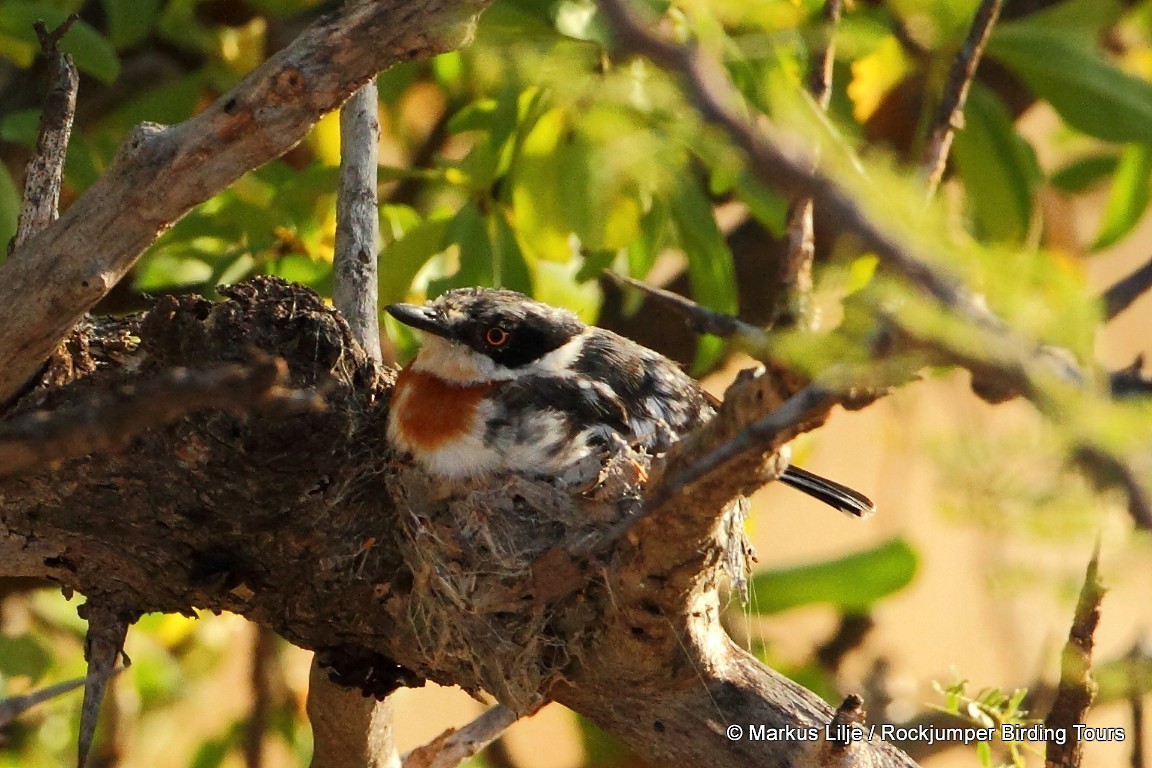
494,602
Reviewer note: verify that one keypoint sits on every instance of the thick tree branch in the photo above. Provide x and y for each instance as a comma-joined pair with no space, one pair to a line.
949,116
161,173
110,421
45,170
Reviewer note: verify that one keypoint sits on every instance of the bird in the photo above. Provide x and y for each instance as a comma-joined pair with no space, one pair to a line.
504,383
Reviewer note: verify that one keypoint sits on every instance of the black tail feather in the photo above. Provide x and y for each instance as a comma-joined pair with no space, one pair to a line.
833,494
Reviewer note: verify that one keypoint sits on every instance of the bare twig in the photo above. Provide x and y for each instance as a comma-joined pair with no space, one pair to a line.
45,169
1121,294
366,724
849,715
13,707
161,173
1077,687
103,647
851,633
1131,380
357,221
949,116
794,300
110,421
454,746
701,319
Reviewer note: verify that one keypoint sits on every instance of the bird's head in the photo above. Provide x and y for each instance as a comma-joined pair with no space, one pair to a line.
481,335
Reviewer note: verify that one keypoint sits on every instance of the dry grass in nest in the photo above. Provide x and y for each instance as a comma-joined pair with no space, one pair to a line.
480,553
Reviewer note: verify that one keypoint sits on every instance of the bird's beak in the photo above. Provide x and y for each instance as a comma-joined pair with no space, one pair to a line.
416,316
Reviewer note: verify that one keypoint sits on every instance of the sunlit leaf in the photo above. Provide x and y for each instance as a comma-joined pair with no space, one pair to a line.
23,655
509,267
1090,93
539,205
766,205
10,201
874,75
404,258
710,269
852,583
1128,198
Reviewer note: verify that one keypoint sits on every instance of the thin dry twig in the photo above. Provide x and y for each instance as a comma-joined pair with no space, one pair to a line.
357,222
13,707
850,634
366,724
794,298
1121,294
45,170
454,746
949,116
1077,687
700,319
110,421
103,648
1136,707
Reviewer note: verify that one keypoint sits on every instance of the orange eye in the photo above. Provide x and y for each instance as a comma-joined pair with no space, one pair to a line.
496,336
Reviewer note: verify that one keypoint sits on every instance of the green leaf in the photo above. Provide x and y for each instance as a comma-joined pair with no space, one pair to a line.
21,126
92,53
851,583
1090,93
23,655
1128,198
711,272
767,206
10,201
1079,175
130,21
509,270
999,170
541,211
468,230
652,238
404,258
